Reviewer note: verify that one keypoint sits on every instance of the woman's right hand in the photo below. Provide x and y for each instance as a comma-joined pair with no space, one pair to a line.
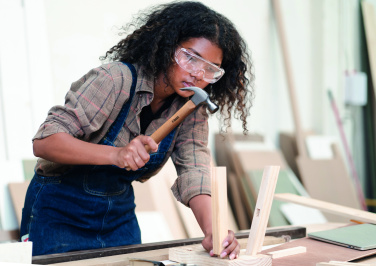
65,149
135,154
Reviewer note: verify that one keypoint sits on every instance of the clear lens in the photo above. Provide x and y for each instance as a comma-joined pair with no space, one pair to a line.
195,64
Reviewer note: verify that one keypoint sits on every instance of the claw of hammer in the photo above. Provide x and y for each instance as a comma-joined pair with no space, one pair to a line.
201,96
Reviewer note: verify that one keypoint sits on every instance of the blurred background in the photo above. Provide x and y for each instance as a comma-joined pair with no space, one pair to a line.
45,45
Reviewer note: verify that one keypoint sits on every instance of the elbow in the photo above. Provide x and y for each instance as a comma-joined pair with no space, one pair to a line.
37,148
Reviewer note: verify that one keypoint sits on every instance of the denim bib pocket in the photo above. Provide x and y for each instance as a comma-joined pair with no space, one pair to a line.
99,181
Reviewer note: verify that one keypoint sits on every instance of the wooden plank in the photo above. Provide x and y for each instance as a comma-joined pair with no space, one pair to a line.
219,207
18,192
350,213
328,180
236,202
369,17
197,255
287,252
341,263
317,251
256,237
317,176
155,196
155,255
9,235
260,159
262,210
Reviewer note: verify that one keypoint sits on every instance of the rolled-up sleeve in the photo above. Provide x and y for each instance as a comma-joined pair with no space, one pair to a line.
88,105
191,157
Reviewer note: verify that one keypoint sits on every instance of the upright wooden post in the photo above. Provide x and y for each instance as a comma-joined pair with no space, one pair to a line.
262,210
197,255
219,207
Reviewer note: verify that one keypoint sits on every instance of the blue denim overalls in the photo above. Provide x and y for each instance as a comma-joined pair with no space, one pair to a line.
89,206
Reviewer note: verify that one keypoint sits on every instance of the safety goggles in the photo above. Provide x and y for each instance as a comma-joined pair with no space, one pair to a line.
194,64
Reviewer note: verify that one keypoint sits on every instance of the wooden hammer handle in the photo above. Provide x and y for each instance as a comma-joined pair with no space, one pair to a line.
171,123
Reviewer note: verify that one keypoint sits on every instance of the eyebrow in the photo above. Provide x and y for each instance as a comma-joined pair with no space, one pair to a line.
197,53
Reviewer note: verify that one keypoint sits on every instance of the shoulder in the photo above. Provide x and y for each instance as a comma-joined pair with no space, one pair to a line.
116,71
114,74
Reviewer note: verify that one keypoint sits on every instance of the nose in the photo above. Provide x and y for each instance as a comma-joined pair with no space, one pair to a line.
199,74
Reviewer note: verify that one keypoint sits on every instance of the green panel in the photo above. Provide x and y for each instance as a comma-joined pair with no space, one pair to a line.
250,200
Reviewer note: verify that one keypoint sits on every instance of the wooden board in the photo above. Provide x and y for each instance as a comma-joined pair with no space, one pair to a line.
262,210
320,177
155,196
317,251
17,193
341,263
219,207
369,17
197,255
285,184
339,210
287,252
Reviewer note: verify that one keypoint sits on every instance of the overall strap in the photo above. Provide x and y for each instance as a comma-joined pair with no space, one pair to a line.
117,125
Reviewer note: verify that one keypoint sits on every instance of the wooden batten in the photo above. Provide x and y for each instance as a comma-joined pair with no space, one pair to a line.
349,213
262,210
197,254
219,207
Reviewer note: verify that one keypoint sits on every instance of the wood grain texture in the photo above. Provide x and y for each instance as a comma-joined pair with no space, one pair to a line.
175,120
219,207
262,209
369,17
287,252
317,251
197,255
350,213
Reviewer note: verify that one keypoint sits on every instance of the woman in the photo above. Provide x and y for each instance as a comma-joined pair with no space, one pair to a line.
81,196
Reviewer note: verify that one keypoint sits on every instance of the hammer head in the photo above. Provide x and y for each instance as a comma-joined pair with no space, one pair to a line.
201,96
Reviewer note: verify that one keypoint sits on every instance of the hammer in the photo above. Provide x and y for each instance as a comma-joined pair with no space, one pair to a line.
200,97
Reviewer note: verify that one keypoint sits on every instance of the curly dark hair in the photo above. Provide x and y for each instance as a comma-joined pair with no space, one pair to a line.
159,30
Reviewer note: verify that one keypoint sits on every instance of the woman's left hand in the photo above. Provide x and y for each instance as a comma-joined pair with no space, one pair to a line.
231,246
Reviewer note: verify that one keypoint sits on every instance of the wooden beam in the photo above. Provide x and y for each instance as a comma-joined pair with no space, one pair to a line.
341,263
351,213
262,210
197,255
287,252
369,17
219,207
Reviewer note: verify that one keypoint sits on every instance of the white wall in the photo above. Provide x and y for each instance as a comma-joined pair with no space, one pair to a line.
45,45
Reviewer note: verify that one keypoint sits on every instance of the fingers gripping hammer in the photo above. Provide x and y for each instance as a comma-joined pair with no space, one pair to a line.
200,97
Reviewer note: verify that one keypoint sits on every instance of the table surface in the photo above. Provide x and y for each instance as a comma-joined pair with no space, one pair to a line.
162,254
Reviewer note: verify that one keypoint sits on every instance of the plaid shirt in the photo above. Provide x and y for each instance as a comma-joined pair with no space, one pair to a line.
93,103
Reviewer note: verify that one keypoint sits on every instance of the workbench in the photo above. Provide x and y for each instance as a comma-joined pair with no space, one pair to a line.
159,251
153,251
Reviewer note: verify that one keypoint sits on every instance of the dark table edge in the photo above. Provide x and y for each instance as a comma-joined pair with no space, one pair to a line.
294,232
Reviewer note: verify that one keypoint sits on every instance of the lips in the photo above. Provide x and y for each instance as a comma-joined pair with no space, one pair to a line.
188,84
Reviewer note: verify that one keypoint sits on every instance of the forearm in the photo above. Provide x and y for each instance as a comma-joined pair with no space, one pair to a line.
201,208
65,149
